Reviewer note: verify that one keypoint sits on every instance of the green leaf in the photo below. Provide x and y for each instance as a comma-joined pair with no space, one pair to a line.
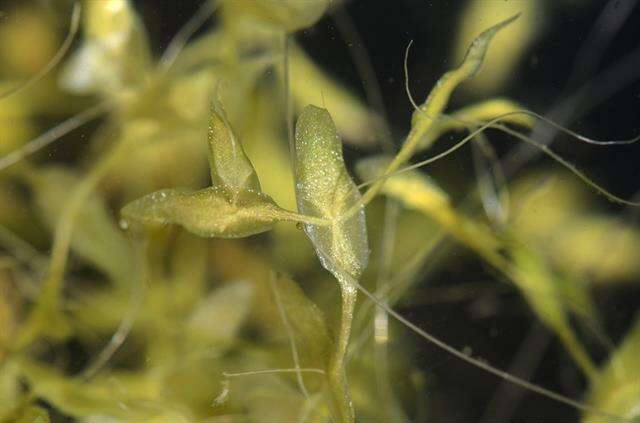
208,212
231,169
324,189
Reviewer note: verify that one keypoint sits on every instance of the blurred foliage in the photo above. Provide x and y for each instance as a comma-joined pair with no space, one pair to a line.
122,301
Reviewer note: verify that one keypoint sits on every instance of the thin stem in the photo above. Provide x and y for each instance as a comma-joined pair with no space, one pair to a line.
341,400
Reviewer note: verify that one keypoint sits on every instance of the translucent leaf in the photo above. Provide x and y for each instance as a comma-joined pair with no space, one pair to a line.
324,189
291,15
216,320
231,170
208,212
95,235
616,388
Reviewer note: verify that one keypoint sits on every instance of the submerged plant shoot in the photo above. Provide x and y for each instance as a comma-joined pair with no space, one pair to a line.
319,211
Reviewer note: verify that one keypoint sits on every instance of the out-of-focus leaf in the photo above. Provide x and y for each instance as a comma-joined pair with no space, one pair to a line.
543,203
324,189
310,331
553,213
114,53
95,236
161,154
290,15
33,414
577,248
216,320
208,212
508,50
476,113
109,397
311,85
543,291
616,388
10,391
25,25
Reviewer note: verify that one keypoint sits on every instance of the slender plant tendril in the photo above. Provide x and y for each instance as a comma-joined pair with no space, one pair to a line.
287,326
181,38
62,51
487,367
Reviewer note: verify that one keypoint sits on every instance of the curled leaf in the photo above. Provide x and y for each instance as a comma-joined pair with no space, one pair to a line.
503,59
324,189
439,96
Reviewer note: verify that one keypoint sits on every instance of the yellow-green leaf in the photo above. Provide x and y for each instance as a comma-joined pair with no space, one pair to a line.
231,170
324,189
208,212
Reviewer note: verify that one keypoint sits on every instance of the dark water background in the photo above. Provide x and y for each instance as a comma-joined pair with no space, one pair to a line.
494,325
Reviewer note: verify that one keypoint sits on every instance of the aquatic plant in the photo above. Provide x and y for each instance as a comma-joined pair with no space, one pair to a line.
201,259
